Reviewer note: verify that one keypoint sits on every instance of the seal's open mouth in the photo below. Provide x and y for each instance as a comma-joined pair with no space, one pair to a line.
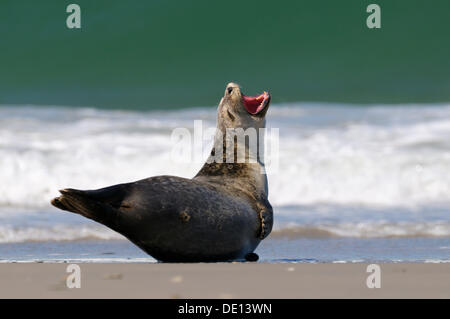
255,104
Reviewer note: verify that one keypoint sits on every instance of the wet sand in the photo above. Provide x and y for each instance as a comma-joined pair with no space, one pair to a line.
224,280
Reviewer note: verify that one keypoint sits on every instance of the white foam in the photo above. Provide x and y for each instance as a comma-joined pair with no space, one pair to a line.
81,260
437,261
374,229
15,234
380,156
366,160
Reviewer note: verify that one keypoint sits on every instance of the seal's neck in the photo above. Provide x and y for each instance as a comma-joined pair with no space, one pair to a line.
236,161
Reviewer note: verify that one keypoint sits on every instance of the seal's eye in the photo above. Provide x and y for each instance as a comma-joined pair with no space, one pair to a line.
230,89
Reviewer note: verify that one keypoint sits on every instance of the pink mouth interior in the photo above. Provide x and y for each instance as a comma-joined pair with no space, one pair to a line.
254,104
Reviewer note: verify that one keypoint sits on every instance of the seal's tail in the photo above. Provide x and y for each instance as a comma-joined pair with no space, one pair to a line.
100,205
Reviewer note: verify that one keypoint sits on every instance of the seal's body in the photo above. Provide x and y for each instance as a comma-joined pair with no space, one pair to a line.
221,214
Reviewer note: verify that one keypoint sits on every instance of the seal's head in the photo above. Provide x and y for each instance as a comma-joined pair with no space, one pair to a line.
239,110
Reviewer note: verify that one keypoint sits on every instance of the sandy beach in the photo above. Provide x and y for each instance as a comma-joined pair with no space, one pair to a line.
321,128
224,280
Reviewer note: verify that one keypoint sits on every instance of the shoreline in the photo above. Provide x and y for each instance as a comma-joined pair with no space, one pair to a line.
272,250
224,280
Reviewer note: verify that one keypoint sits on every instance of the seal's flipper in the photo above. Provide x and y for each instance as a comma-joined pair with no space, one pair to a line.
91,204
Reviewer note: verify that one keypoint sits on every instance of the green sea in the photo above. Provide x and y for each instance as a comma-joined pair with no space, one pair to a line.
174,54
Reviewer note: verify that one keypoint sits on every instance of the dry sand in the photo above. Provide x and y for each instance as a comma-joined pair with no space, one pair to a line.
224,280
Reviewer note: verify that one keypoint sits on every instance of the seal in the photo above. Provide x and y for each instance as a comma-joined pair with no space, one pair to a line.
221,214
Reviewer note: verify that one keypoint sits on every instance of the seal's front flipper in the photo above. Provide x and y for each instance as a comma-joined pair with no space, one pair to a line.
265,215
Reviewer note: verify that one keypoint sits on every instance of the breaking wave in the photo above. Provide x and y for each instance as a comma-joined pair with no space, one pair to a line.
380,155
65,232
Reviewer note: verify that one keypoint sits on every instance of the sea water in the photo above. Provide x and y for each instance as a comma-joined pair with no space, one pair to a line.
354,182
